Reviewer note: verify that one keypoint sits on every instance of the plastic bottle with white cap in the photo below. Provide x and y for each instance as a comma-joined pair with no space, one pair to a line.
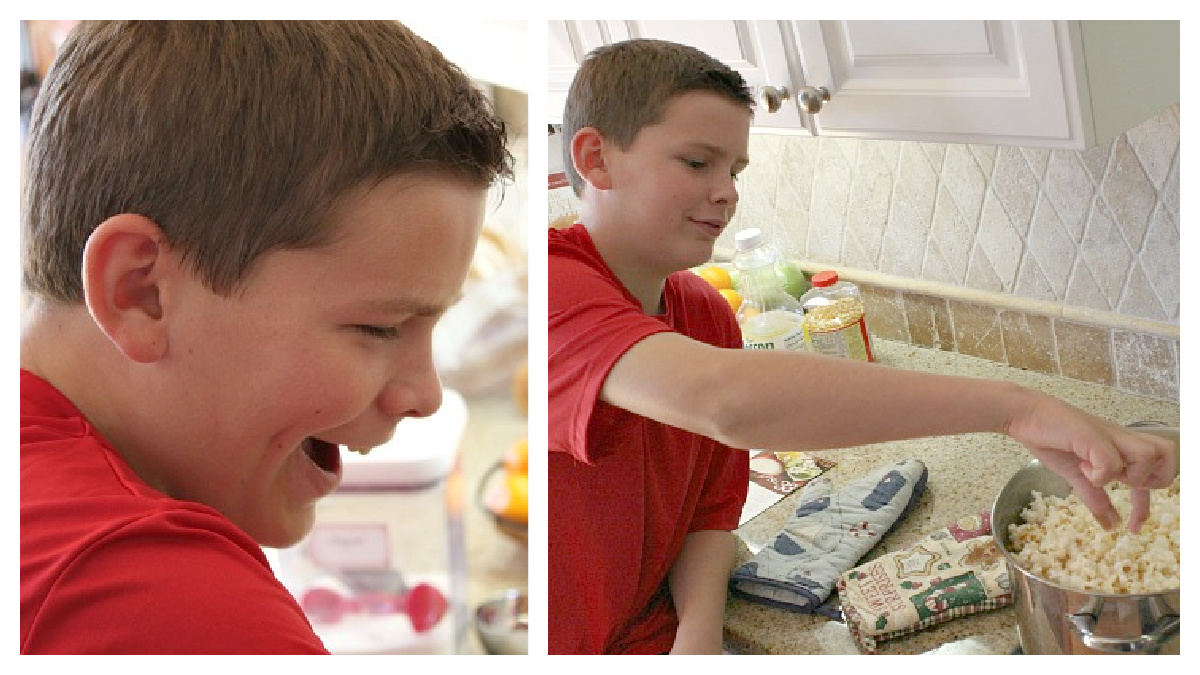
770,318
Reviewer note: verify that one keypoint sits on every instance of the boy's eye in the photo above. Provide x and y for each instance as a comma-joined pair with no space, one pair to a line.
381,332
695,163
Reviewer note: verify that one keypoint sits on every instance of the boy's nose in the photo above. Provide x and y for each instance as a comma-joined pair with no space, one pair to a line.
414,390
726,192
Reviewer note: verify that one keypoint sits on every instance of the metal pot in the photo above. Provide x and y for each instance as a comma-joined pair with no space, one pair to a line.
1056,620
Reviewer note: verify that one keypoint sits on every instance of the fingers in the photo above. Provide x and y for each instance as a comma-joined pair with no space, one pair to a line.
1142,462
1149,461
1140,501
1101,468
1097,501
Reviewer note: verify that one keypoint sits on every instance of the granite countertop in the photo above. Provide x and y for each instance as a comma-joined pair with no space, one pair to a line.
966,473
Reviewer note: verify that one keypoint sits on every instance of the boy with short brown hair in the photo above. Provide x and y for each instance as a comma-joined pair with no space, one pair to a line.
650,393
238,237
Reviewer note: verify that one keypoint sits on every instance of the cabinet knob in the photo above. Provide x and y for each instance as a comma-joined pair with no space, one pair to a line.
812,99
772,98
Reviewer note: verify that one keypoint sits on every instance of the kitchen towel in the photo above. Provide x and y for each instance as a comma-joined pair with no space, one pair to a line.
953,572
829,533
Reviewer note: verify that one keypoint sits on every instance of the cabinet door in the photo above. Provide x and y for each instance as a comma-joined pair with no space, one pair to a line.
755,49
996,82
567,43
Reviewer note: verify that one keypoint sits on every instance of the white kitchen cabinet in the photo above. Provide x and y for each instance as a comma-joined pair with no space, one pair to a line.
1055,84
1061,84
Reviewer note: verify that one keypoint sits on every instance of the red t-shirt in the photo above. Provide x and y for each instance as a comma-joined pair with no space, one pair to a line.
624,491
111,566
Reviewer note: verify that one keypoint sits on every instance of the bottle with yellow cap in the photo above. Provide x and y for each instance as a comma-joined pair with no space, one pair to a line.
835,320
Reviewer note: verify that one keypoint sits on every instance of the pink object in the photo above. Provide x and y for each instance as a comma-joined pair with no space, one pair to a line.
424,604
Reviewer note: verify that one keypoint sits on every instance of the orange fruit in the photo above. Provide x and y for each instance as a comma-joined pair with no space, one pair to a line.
717,276
732,297
516,459
515,504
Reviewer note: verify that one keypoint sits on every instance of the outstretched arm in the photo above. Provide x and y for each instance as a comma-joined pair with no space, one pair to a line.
804,401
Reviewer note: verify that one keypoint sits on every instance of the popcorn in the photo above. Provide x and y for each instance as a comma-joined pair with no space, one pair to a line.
838,314
1061,542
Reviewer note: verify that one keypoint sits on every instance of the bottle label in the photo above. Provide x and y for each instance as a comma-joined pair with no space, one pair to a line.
774,330
850,341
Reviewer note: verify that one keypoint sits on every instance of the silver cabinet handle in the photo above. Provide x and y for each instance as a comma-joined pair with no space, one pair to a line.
812,99
772,98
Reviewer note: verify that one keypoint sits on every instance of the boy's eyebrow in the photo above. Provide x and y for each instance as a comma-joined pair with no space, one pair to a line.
408,306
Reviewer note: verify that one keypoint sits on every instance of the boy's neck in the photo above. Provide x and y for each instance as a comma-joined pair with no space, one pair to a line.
634,274
62,345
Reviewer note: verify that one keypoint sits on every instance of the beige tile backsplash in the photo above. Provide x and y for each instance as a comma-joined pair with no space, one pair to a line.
1029,234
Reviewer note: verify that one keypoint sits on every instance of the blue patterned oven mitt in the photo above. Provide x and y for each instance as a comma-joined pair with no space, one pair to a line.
828,534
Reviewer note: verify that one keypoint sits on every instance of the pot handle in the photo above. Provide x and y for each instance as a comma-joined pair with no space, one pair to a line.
1165,625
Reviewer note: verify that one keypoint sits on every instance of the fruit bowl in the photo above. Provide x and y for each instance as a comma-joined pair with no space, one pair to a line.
492,494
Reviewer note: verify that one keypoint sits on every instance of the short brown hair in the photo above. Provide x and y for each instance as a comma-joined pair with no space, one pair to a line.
236,137
623,87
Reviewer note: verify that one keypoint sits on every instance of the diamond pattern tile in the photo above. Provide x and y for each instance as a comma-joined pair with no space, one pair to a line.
830,198
1054,225
1082,289
1139,298
952,234
871,189
1032,281
1160,262
965,181
1129,193
1049,247
1015,185
1146,142
1170,192
1001,243
1070,190
1106,255
912,212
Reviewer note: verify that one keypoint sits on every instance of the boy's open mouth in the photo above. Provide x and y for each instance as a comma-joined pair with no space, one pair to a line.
325,455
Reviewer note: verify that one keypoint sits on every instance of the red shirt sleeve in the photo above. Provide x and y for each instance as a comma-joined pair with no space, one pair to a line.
592,322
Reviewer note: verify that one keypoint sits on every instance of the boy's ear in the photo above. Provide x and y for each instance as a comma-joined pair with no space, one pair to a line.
124,263
588,148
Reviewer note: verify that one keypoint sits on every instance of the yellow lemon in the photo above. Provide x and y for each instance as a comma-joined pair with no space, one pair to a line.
732,297
516,504
717,276
516,459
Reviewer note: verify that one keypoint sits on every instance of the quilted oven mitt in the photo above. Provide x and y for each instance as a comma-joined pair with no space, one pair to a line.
955,571
828,534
